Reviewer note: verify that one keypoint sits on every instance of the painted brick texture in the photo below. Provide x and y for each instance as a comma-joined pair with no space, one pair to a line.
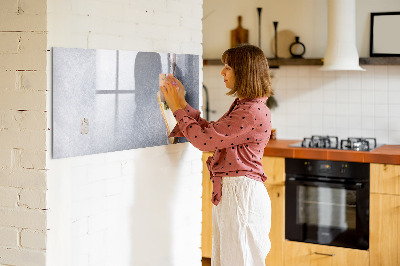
23,129
118,208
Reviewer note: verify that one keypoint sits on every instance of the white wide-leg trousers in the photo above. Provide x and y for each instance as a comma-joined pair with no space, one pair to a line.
241,223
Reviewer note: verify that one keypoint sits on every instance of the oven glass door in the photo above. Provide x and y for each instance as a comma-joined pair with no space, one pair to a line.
326,213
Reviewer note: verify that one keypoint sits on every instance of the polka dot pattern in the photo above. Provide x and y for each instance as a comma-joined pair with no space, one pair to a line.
238,139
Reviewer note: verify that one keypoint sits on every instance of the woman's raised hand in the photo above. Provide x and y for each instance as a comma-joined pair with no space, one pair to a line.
174,93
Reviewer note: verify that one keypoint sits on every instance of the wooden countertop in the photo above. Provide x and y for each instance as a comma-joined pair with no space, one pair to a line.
389,154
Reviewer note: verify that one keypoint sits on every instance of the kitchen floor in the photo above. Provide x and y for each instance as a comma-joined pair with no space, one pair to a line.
206,261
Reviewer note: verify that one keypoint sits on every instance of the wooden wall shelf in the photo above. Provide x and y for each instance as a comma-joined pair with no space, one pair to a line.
380,61
273,63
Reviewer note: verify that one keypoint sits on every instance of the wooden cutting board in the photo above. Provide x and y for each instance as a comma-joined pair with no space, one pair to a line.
239,35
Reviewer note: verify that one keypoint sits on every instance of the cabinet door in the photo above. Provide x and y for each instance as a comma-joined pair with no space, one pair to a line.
384,230
277,233
385,178
304,254
274,168
206,232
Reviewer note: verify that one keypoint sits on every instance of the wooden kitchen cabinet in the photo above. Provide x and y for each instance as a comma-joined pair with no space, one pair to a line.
384,236
274,168
385,178
206,225
305,254
277,233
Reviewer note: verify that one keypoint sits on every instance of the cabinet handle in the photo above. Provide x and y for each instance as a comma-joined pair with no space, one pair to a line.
325,254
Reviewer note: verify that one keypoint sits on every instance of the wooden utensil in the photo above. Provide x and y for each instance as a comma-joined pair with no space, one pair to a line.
239,35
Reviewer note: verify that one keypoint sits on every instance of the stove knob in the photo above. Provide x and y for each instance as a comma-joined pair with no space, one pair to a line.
343,168
308,166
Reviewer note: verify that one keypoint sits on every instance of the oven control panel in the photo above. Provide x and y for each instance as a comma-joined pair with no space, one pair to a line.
338,169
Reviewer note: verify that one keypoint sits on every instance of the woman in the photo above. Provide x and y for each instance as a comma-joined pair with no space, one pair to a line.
242,208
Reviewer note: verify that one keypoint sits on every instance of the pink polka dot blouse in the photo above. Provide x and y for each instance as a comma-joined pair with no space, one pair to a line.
238,139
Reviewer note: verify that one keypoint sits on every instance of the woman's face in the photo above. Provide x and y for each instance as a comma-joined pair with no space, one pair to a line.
229,76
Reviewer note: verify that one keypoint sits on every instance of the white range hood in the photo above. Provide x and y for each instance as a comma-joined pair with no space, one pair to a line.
341,51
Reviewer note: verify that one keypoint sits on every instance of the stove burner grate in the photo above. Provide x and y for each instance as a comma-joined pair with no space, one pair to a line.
358,144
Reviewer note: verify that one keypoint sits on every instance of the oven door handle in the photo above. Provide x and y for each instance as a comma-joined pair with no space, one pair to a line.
357,185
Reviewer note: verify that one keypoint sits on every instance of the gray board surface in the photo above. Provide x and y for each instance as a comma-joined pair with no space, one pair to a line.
106,100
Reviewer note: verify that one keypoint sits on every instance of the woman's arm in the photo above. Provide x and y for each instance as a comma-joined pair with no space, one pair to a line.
239,127
174,93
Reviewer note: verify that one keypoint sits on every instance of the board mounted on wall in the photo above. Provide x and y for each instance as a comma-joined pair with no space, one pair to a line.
106,100
384,35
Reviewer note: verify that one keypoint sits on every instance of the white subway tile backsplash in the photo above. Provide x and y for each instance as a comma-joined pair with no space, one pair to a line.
342,96
367,133
317,131
342,122
316,82
317,95
393,71
394,83
328,74
304,82
305,95
355,96
293,120
317,119
304,108
291,71
394,97
329,109
394,123
329,123
380,84
367,110
368,123
367,96
342,80
355,122
304,72
369,70
329,93
342,133
381,110
354,80
382,123
342,109
355,109
381,97
380,71
394,110
394,137
278,83
304,131
381,136
292,83
355,132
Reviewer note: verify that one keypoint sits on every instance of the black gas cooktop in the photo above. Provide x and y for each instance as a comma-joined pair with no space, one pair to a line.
332,142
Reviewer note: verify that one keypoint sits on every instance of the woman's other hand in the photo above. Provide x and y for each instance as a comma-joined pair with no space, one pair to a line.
174,93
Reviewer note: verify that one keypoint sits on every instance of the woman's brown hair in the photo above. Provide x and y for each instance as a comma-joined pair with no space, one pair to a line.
250,66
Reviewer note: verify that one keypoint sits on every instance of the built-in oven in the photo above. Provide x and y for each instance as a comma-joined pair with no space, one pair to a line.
327,202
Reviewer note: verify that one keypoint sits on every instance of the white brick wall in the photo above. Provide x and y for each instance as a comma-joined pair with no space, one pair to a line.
135,207
23,128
